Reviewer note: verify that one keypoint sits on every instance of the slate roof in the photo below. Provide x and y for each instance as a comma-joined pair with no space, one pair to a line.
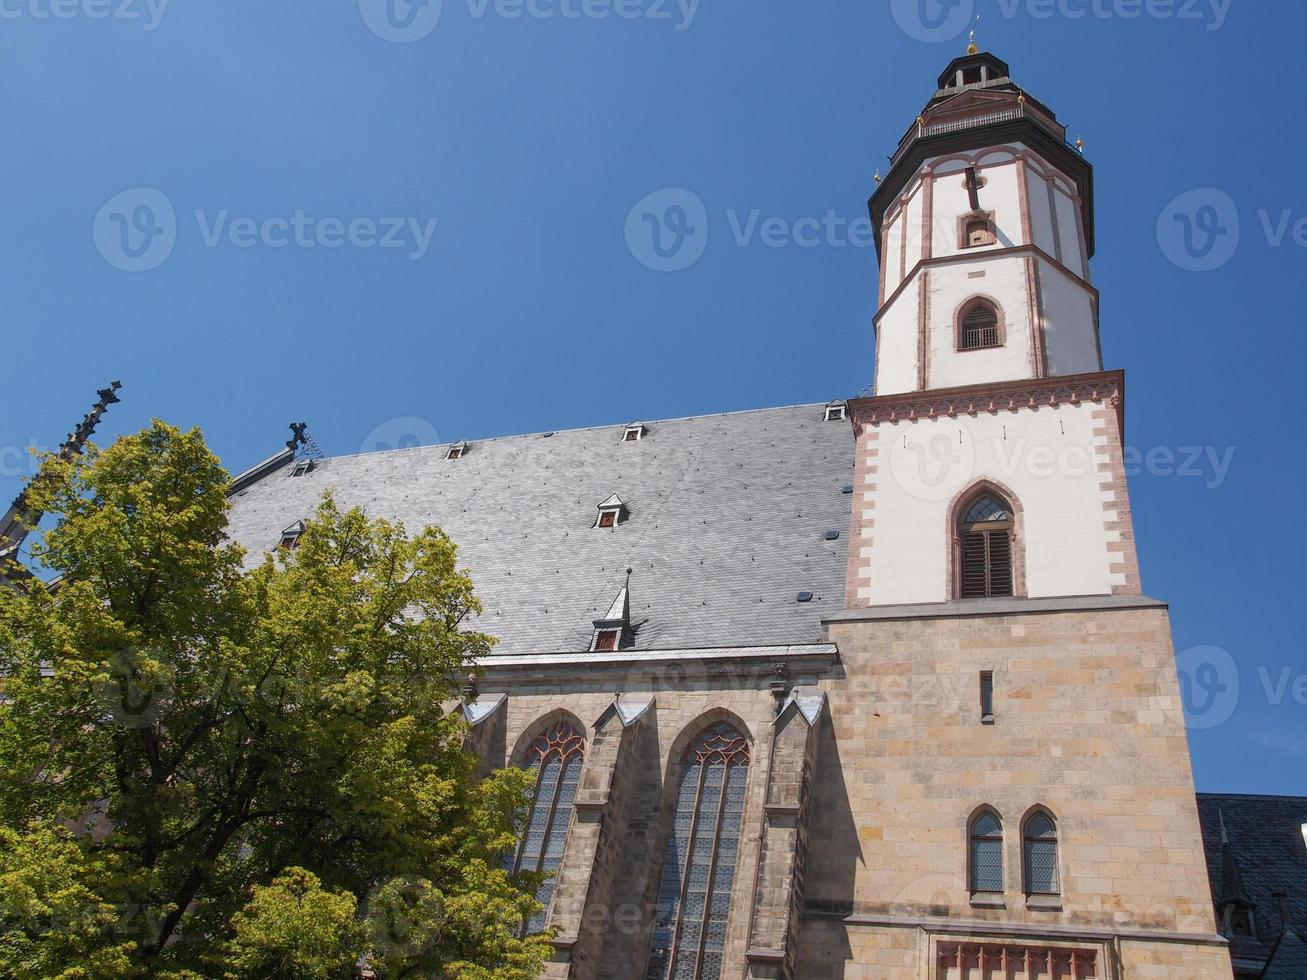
1266,842
727,518
1288,960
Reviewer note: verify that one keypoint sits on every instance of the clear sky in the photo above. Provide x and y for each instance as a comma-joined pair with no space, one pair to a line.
512,138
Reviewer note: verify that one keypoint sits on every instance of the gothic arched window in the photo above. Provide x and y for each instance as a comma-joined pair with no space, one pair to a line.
979,327
985,840
985,548
1039,854
694,896
555,756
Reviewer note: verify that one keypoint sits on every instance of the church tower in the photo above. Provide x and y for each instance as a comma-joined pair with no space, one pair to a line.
1007,761
990,456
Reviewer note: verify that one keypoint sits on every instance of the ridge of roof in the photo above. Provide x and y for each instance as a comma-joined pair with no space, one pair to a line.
585,428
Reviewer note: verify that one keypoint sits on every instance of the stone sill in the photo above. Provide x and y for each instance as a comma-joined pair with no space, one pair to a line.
988,900
1044,903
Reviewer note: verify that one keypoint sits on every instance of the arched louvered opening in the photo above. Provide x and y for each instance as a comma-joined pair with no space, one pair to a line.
694,895
555,756
985,548
985,853
1039,854
980,327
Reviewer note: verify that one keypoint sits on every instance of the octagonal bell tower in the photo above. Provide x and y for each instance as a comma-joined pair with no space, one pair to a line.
990,457
985,207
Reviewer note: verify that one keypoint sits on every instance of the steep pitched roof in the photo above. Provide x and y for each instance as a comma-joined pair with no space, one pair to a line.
727,522
1265,838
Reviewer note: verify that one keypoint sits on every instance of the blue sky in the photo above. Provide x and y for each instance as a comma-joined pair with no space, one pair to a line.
512,140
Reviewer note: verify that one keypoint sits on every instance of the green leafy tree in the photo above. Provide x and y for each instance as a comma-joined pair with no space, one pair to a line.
209,737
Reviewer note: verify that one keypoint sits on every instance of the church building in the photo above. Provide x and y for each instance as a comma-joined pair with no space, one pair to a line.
861,690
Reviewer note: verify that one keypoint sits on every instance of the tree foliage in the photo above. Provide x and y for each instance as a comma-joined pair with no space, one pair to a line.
209,765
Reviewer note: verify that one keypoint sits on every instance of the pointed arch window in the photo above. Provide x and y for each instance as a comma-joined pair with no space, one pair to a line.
980,327
555,756
985,549
694,897
986,853
1039,854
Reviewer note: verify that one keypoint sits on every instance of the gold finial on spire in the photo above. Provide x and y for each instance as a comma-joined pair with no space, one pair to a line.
1080,145
971,45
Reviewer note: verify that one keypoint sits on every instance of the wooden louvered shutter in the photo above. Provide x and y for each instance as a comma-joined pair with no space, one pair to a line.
975,580
986,564
1000,562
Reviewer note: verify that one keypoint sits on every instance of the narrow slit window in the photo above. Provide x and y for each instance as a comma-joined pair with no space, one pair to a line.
987,696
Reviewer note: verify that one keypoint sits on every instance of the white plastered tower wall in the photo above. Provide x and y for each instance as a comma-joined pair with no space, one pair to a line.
1036,273
1032,417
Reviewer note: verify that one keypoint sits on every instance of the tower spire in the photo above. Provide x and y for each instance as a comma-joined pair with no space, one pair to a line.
19,520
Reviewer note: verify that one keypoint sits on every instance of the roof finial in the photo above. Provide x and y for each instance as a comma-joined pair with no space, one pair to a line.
1080,145
971,45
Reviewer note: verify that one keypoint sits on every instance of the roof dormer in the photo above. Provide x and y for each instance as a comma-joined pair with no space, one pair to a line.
634,432
290,538
613,632
612,512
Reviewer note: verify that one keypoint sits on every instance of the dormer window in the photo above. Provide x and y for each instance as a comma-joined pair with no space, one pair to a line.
612,512
301,467
634,432
837,411
614,631
457,451
290,538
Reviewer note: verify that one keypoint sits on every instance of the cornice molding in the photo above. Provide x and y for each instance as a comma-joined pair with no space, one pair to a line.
1001,396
